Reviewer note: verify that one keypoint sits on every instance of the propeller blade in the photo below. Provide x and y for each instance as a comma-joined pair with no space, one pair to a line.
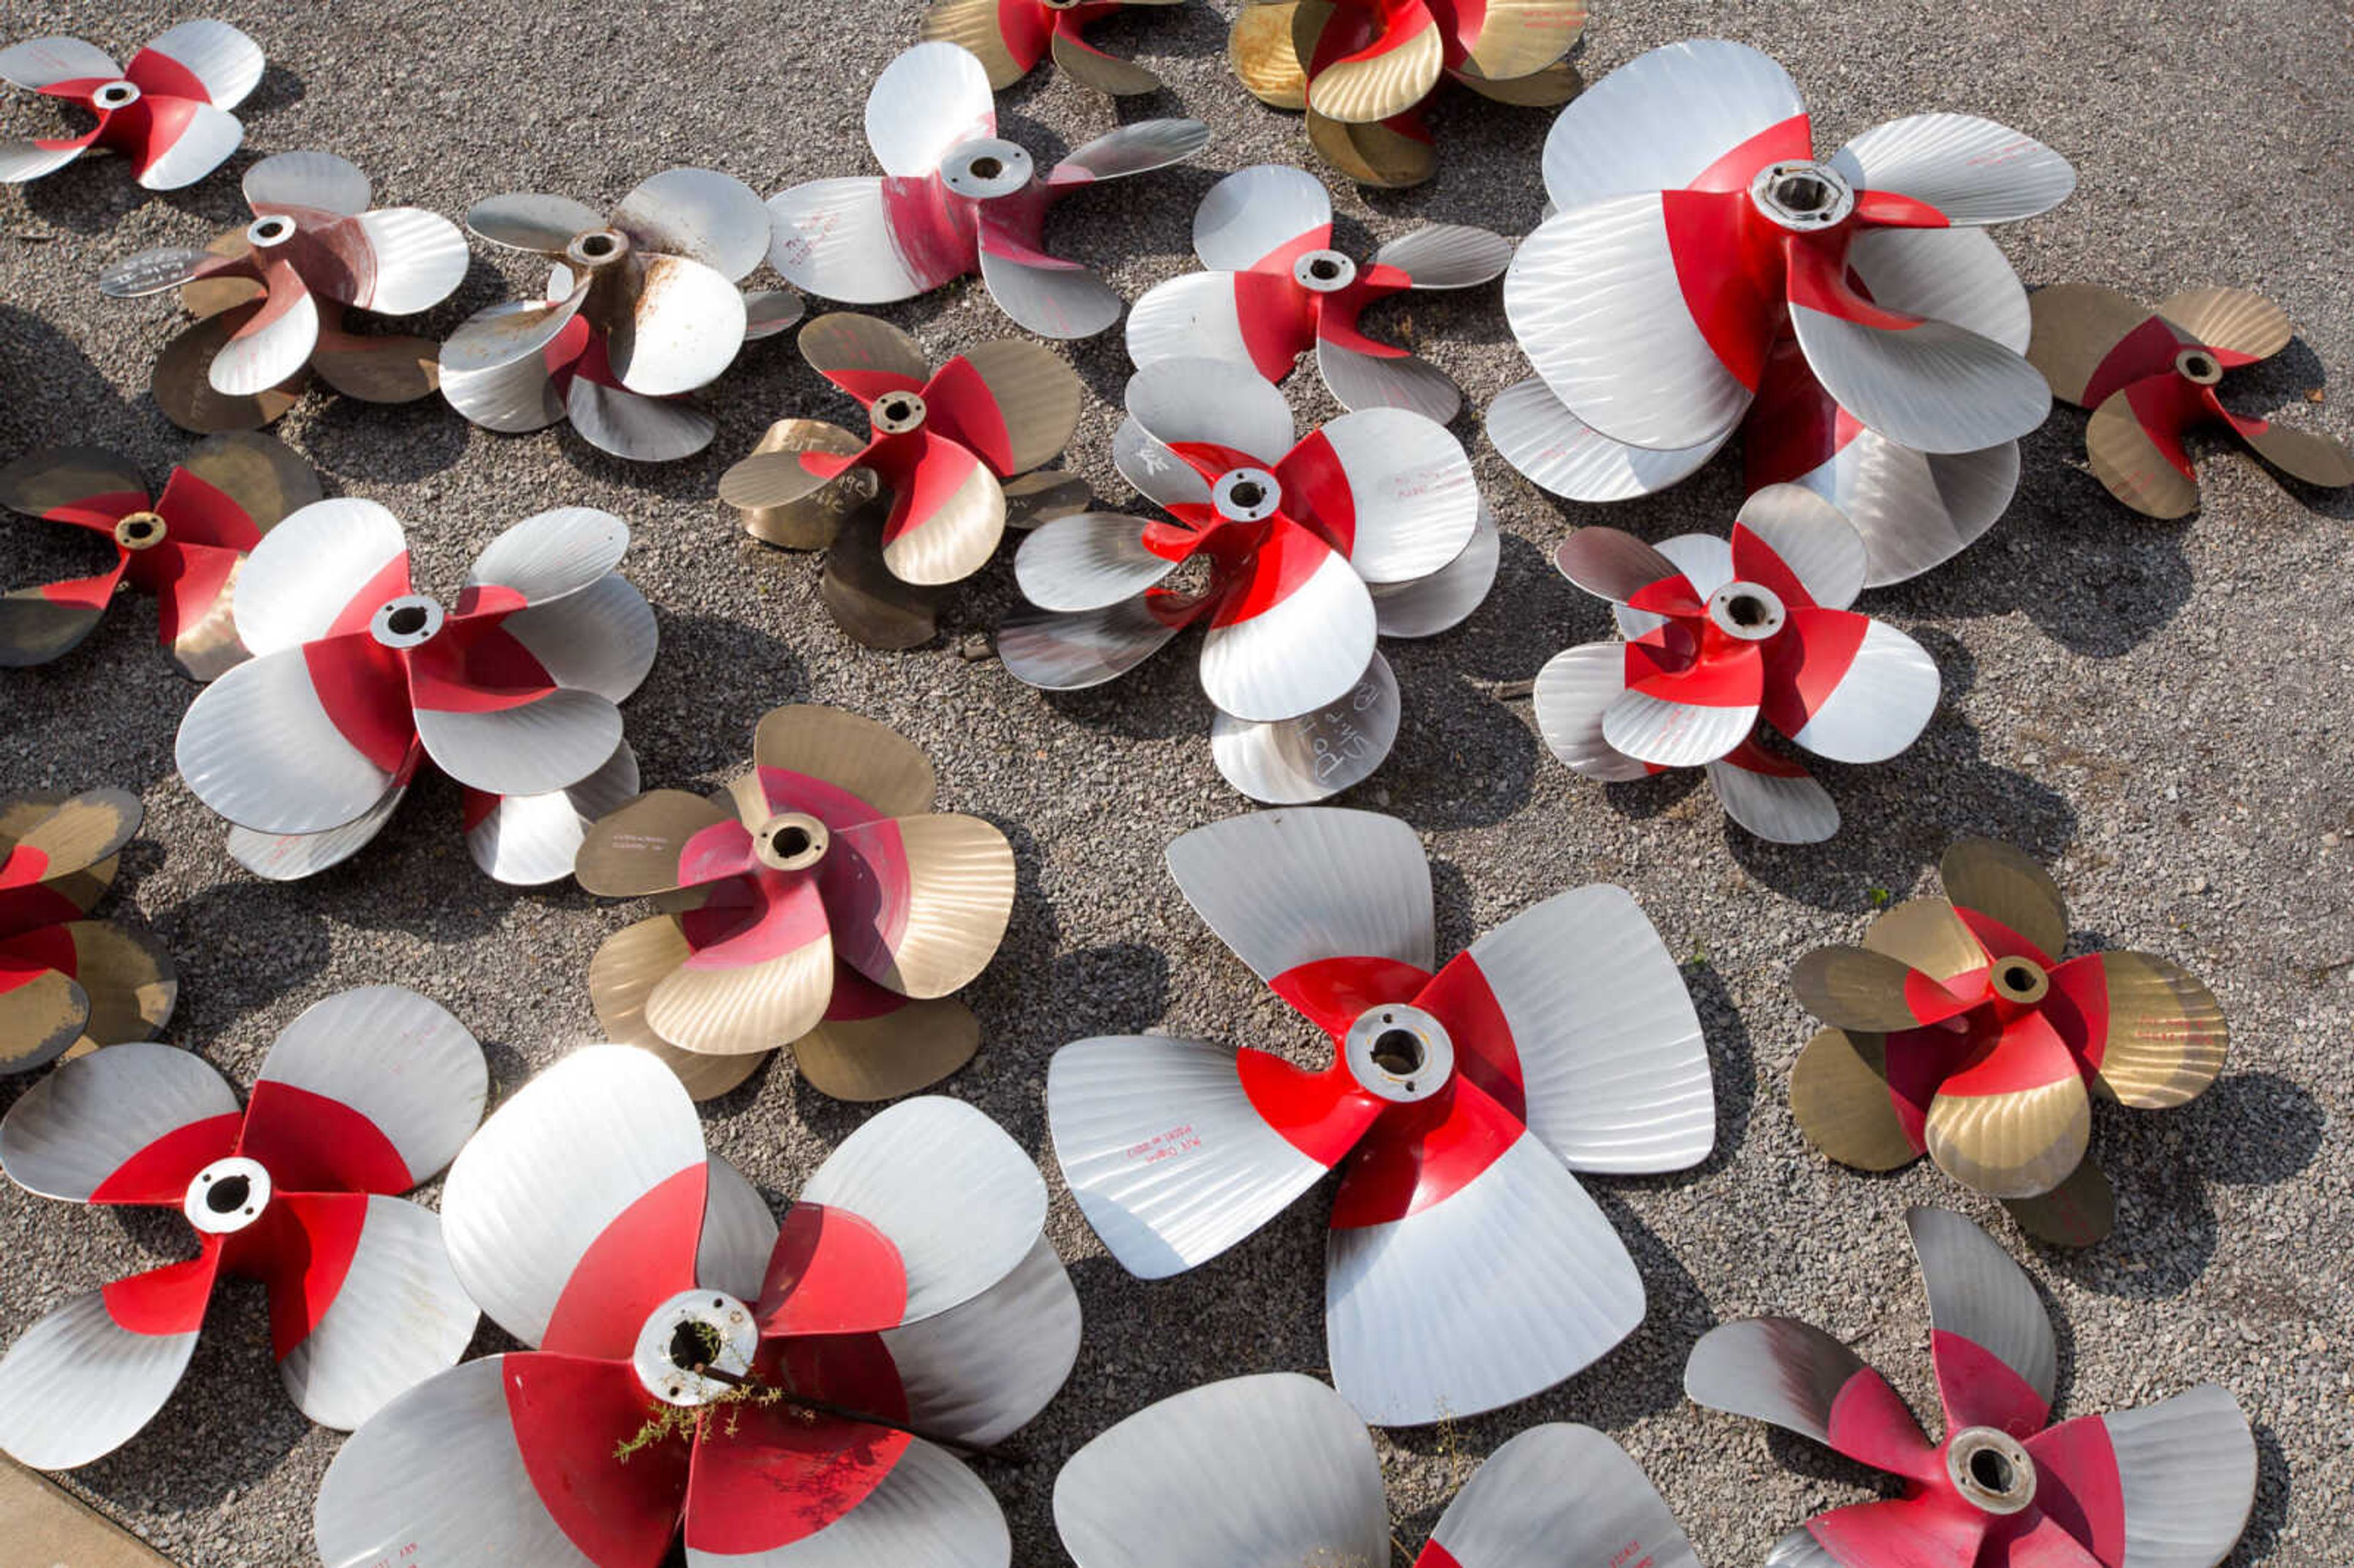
2017,1119
1271,1468
1138,147
129,980
639,428
2301,455
600,640
262,747
1799,545
364,1304
595,1172
1989,1335
530,220
1294,635
1252,1133
273,345
38,63
1262,51
841,239
919,904
1800,1379
867,600
2154,1032
131,1124
39,624
929,101
1957,275
1848,688
308,184
289,857
683,330
1537,434
881,1046
2239,323
1924,383
1553,1489
1092,561
185,142
1604,1043
699,214
1968,170
226,63
419,1086
1681,713
1840,1095
1361,381
887,772
2079,1213
1772,796
182,380
2134,441
1208,403
1264,215
1090,66
1597,300
663,841
2183,1472
1287,888
1405,485
1574,692
957,1197
86,1379
948,512
1389,75
1007,39
1430,605
415,261
1015,405
1869,993
1316,756
1062,653
1049,296
2007,898
1664,120
979,1372
1390,155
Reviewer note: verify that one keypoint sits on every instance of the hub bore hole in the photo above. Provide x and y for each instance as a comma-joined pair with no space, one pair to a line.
228,1195
1398,1051
1325,268
138,527
406,621
987,168
1992,1471
2018,977
1747,609
1803,192
790,842
695,1344
597,247
1247,495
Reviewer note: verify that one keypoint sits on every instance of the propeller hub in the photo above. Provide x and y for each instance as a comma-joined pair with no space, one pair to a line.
1991,1469
897,413
1245,495
1750,611
115,95
1324,272
597,249
140,530
689,1339
226,1196
790,841
2020,980
406,621
266,233
1399,1052
989,167
2200,366
1802,196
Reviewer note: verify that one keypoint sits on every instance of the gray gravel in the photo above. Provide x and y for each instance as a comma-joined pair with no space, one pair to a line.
2161,709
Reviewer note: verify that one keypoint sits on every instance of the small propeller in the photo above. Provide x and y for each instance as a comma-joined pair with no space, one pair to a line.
168,112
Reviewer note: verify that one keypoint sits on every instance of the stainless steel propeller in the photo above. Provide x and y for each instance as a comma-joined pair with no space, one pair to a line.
1466,1267
1275,289
641,307
1299,553
801,1391
362,1097
167,111
272,299
68,984
818,902
2168,1485
357,680
1011,36
1703,267
1277,1469
956,198
1723,638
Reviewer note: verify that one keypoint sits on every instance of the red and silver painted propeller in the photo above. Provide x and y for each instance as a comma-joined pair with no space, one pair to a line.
2150,379
357,680
185,547
1275,289
817,901
364,1096
1696,232
1958,1030
789,1395
1466,1266
2166,1485
1364,69
956,198
1277,1469
271,297
1011,36
641,307
69,985
1370,524
167,111
1721,636
940,448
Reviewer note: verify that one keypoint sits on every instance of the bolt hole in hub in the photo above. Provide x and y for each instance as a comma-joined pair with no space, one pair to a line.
986,168
116,95
1324,272
1802,196
2200,366
406,621
139,531
264,232
1749,612
1399,1052
2020,979
792,841
897,413
695,1329
227,1195
1991,1469
1246,495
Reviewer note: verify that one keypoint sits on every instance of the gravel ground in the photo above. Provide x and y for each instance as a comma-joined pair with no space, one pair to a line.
2151,707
